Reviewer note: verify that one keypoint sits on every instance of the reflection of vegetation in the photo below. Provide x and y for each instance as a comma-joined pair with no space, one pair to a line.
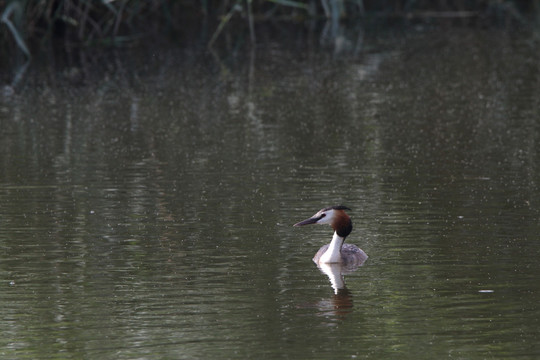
120,21
14,8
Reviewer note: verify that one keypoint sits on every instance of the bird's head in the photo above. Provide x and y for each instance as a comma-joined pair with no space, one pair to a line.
334,216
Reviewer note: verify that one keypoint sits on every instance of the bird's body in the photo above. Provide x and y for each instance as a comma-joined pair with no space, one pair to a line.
336,252
351,255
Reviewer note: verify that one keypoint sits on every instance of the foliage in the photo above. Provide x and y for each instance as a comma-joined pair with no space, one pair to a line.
114,22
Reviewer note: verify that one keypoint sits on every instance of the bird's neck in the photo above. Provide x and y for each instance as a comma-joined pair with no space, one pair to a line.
333,253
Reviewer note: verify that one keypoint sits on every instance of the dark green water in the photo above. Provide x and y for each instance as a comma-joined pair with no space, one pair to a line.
146,211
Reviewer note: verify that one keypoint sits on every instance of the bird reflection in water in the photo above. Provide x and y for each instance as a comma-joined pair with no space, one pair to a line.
341,302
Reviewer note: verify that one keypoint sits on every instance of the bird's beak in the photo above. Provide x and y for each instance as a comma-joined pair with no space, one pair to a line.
311,220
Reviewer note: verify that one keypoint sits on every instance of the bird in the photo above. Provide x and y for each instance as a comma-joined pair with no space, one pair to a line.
336,252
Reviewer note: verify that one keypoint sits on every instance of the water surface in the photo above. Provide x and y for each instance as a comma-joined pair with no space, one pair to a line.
146,207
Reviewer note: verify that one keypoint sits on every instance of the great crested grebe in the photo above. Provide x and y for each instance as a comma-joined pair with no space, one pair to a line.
336,251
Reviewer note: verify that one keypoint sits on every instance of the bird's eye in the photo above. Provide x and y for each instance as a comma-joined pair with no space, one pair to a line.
323,215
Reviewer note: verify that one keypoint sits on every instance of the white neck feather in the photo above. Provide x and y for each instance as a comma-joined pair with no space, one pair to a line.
333,253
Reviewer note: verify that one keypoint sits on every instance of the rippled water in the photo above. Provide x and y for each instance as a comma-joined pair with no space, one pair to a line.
147,213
